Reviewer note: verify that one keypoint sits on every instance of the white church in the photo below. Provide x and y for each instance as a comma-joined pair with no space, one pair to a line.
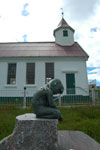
31,65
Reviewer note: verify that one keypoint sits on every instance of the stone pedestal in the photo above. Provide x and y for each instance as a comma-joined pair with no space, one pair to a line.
31,133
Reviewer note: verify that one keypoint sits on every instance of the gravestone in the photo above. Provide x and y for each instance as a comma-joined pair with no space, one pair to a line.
31,133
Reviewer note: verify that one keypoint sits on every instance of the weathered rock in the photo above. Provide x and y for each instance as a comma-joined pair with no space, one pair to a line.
31,133
76,140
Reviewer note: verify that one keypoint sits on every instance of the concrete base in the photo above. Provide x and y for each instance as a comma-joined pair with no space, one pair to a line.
31,133
76,140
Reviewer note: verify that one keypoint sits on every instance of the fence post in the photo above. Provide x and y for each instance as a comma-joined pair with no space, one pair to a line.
93,95
24,103
59,100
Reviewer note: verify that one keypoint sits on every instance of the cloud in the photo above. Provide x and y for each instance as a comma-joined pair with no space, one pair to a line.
94,29
25,37
89,69
95,70
90,41
39,25
24,11
80,10
94,73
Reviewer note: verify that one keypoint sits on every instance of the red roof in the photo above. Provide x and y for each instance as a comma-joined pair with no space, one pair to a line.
36,49
63,24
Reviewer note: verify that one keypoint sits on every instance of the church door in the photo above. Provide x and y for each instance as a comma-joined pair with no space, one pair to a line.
70,83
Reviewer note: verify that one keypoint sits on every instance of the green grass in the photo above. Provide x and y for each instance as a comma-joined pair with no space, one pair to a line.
7,119
86,119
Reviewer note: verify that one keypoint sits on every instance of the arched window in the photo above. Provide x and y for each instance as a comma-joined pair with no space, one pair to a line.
65,33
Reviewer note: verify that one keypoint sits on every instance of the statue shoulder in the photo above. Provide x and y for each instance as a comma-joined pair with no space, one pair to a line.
46,90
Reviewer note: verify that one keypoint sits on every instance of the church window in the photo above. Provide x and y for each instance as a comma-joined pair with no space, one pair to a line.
49,72
65,33
30,73
11,78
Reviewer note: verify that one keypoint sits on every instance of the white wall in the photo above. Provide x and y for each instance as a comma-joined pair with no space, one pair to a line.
62,66
76,66
3,74
64,40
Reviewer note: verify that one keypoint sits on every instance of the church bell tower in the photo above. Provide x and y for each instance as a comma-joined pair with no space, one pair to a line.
64,34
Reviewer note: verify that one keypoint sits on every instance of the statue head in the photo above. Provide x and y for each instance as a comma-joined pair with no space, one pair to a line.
56,86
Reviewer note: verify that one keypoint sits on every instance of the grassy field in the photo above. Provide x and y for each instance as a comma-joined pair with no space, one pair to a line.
86,119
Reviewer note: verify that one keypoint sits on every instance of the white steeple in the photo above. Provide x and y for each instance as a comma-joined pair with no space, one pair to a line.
64,34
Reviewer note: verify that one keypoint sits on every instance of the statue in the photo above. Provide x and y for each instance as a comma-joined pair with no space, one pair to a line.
43,103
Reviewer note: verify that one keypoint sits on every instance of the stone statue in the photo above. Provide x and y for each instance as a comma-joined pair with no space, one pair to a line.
43,103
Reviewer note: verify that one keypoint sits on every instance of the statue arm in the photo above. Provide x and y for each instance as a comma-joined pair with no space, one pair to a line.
50,99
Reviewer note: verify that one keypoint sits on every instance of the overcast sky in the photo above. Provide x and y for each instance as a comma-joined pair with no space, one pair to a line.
35,20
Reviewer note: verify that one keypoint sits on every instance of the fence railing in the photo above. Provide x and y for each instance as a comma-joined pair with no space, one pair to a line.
24,97
16,97
82,96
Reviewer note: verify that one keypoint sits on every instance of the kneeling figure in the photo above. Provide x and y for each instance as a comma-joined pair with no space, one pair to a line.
43,103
